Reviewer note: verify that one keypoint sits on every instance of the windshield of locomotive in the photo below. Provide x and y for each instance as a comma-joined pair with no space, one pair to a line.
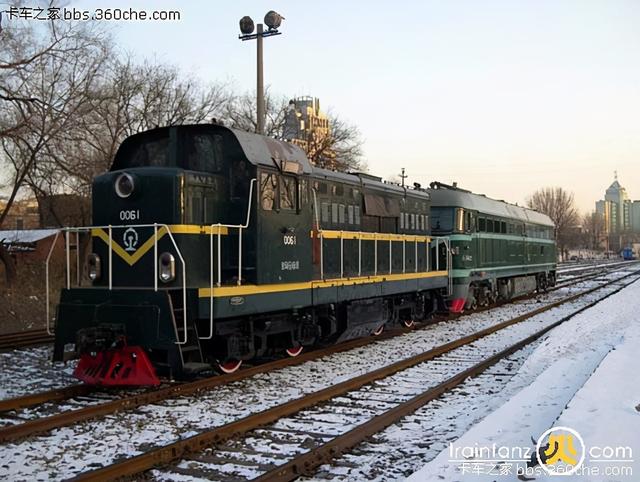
196,151
441,220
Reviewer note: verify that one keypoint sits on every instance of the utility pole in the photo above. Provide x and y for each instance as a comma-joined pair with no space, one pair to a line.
403,176
260,86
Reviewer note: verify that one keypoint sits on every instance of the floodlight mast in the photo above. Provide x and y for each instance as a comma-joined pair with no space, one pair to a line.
273,21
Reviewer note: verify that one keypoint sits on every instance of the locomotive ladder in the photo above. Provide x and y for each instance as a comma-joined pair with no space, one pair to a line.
191,357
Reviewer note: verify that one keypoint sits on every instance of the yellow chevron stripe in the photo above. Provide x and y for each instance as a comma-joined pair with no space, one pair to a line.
132,258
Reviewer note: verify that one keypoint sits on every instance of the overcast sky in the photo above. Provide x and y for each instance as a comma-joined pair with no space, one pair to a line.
503,97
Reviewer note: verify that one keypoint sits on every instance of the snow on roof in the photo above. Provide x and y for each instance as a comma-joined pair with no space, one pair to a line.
25,235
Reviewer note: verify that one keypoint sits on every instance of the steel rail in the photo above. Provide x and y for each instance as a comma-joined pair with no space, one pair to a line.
24,338
44,397
176,450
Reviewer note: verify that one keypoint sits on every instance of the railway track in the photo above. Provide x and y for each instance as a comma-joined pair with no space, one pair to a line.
297,447
82,403
21,339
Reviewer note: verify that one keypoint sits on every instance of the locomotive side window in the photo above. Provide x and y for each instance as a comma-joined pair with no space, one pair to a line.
350,214
268,185
401,220
482,225
357,215
334,213
287,193
341,216
325,212
489,225
303,193
503,227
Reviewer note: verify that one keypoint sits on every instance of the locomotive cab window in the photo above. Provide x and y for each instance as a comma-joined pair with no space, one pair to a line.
288,191
268,190
204,152
441,219
150,149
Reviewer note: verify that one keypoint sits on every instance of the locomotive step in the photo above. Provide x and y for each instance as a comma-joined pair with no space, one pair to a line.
196,367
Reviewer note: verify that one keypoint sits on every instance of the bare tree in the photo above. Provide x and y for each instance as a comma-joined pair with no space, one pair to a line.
241,113
340,149
133,98
559,205
44,78
593,223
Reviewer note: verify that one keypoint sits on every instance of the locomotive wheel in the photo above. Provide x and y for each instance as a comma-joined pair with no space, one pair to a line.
378,331
230,366
293,352
408,323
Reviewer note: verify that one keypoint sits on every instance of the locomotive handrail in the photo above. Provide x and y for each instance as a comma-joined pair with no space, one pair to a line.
46,275
239,227
375,237
109,229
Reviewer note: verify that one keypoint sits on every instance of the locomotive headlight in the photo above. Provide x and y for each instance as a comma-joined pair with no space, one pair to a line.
167,267
94,267
124,185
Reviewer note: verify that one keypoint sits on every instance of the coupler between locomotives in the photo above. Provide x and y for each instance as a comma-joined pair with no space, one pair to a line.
119,335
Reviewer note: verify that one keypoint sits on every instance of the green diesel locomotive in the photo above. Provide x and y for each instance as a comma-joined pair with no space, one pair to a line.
499,250
211,246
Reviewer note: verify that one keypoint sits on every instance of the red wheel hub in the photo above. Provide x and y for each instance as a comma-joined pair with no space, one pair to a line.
230,366
292,352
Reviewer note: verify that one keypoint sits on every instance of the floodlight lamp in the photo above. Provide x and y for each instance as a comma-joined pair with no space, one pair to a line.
273,19
246,25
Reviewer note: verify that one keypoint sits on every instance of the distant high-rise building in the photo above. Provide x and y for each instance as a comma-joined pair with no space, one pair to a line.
308,127
620,215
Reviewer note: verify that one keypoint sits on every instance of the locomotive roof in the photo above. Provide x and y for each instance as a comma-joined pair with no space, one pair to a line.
262,150
449,196
366,181
259,150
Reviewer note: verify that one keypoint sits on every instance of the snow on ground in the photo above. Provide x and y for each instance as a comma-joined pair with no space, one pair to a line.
583,376
27,370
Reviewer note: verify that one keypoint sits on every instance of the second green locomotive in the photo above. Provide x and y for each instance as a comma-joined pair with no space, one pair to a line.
499,250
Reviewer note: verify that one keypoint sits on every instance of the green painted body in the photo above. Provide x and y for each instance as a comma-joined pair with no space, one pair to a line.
492,242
